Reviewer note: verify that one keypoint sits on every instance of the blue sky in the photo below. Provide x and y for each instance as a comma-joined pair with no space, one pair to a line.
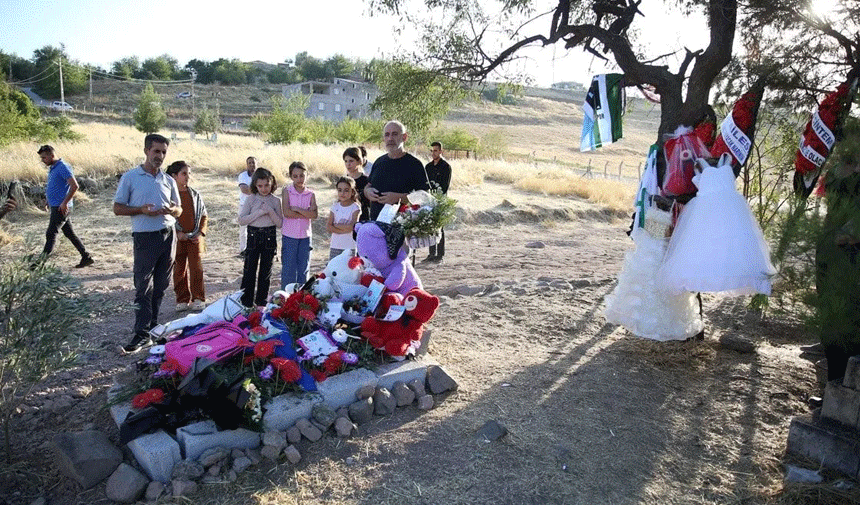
101,32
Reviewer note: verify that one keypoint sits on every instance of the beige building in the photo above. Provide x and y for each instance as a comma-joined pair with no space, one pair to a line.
336,100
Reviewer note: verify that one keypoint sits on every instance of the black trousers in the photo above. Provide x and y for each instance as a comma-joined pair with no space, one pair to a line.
153,263
438,250
259,253
58,222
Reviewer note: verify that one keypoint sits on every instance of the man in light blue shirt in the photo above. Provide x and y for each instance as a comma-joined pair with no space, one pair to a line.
59,191
151,198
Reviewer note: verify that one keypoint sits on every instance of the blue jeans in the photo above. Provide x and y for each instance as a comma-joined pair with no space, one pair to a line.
295,259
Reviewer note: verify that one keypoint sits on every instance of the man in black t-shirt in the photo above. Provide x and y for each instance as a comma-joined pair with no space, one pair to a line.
439,175
396,173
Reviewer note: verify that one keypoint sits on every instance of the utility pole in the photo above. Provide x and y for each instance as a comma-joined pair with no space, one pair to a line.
91,84
193,78
62,92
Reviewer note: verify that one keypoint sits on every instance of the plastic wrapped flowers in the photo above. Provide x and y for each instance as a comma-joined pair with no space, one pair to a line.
427,214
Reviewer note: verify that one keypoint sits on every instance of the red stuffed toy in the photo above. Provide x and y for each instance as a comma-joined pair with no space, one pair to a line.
398,337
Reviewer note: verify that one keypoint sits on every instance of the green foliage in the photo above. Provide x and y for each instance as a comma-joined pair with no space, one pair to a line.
282,75
20,120
285,123
44,312
456,139
416,97
231,72
357,131
504,93
161,68
126,67
493,144
75,76
207,122
316,131
149,117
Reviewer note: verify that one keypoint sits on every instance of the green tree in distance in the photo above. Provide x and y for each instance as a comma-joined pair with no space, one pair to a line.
149,117
207,122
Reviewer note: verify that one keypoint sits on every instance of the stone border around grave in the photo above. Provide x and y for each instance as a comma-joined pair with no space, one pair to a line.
201,452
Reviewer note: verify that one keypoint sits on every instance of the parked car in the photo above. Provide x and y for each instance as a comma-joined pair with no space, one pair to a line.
58,105
184,94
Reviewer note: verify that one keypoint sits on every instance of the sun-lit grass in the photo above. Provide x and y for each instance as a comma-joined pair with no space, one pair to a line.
111,149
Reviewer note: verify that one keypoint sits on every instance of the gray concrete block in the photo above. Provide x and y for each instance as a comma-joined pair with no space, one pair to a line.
841,404
852,373
119,411
156,453
340,389
283,411
403,371
193,429
827,442
195,445
87,457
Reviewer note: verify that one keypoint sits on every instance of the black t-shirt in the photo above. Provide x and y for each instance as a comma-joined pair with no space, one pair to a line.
360,183
439,174
402,175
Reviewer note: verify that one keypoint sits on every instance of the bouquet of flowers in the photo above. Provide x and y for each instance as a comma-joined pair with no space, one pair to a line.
427,214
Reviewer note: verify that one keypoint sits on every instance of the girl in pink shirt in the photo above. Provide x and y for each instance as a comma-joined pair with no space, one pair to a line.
299,207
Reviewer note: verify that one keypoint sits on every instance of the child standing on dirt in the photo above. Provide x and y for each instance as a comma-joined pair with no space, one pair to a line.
299,207
345,212
261,213
191,227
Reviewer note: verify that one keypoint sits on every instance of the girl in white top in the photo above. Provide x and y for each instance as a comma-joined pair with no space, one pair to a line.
343,216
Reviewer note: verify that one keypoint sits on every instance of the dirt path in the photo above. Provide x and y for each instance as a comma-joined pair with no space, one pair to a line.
594,415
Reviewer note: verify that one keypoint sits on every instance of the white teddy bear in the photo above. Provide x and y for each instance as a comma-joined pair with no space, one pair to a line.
341,279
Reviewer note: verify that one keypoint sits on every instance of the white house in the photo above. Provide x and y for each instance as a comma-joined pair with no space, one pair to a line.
336,100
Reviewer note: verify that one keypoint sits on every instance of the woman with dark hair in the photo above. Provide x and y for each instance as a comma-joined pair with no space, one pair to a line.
353,159
191,227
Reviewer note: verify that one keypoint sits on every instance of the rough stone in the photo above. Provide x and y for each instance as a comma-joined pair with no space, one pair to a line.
402,394
237,453
293,455
232,476
184,488
214,470
491,431
212,456
841,404
438,381
39,501
187,470
536,245
241,464
417,386
384,402
126,485
344,411
344,427
156,453
294,435
737,343
324,415
271,452
426,402
154,491
361,411
283,411
308,430
339,390
365,392
254,455
276,439
87,457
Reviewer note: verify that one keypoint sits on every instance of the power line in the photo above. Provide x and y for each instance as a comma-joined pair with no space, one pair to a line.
29,81
123,78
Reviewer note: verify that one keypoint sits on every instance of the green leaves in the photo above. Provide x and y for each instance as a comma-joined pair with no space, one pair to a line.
149,117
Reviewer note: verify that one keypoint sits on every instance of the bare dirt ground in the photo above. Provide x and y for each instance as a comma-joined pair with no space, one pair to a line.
594,414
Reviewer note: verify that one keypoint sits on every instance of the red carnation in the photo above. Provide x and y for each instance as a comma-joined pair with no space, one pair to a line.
148,397
319,375
290,371
170,365
333,364
266,348
307,315
244,342
255,319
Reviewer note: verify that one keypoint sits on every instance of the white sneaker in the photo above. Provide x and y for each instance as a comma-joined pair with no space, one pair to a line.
181,307
197,305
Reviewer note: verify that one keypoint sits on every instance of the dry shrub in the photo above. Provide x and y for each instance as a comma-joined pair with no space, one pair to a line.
612,194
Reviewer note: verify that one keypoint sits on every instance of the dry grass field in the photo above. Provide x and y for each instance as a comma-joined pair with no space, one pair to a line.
595,416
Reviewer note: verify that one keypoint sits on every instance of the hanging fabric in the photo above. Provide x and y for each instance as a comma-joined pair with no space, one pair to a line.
602,111
820,135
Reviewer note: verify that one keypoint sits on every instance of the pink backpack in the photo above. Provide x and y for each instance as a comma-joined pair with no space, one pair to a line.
217,342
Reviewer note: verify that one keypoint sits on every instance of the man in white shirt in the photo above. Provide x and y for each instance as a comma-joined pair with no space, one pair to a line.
244,181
